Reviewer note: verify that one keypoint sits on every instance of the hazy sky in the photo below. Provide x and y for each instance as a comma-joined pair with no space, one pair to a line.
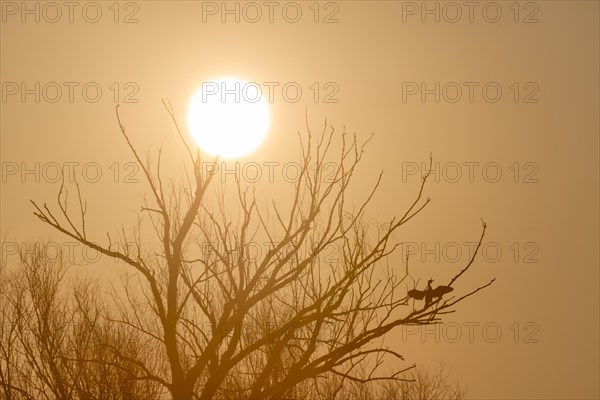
503,94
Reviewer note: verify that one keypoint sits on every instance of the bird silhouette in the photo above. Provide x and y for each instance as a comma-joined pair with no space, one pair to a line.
429,294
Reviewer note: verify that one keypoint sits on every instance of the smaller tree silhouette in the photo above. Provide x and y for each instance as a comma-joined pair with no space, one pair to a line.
56,338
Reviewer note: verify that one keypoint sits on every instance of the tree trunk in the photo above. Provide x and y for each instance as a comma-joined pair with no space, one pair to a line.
182,391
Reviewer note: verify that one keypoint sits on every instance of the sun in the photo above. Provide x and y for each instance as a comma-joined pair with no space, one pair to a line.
228,117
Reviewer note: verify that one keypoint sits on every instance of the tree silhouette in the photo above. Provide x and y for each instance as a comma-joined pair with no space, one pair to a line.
56,338
229,326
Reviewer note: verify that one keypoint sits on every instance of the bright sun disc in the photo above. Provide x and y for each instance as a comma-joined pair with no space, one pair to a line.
228,117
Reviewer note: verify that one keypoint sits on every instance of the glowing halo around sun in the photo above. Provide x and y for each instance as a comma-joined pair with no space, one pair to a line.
228,117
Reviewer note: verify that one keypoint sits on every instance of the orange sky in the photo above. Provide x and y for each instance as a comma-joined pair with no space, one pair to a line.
525,159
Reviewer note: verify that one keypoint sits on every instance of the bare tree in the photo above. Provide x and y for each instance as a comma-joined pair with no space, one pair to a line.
423,384
234,327
56,342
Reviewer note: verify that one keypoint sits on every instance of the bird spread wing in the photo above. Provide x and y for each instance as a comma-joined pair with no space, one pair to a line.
416,294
